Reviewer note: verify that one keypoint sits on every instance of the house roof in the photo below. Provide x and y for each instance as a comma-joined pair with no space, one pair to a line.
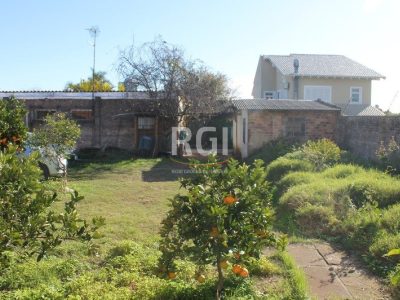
31,95
360,110
264,104
321,65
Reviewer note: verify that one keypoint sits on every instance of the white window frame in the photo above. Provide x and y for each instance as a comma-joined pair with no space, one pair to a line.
360,99
318,86
269,97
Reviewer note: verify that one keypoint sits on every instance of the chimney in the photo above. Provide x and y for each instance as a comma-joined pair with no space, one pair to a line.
296,65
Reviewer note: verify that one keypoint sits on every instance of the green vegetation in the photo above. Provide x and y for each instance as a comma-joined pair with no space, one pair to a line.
132,195
12,127
349,204
29,224
98,84
224,220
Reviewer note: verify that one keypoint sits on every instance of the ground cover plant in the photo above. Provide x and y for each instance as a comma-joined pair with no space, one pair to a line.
132,195
355,206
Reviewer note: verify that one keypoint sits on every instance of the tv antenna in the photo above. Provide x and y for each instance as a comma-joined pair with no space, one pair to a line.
93,31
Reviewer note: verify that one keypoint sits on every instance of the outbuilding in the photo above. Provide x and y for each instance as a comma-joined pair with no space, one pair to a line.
259,121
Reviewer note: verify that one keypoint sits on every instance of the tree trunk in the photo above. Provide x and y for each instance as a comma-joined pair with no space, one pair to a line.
220,284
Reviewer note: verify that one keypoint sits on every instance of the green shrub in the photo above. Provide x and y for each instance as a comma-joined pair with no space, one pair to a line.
321,153
282,166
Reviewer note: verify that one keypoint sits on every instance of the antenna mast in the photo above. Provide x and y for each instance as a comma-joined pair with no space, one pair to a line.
93,31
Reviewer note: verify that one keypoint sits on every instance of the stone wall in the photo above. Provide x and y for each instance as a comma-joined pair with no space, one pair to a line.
267,125
363,135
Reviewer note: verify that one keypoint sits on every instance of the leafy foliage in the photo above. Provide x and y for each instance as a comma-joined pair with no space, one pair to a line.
99,84
224,219
12,127
57,138
395,275
321,153
27,224
389,156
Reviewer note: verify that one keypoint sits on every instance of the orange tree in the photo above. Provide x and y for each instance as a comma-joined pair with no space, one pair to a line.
12,127
223,220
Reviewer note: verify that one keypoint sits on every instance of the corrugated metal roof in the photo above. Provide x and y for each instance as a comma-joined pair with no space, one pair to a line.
360,110
322,65
264,104
28,95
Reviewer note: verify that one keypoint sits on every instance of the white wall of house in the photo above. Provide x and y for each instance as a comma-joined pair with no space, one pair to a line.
240,133
265,79
268,78
341,88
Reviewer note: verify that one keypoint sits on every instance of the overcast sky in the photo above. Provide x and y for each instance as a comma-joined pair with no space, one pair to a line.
44,44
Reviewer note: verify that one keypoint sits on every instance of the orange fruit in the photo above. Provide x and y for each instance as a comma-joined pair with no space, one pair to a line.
171,275
223,264
201,278
229,200
244,272
214,232
236,269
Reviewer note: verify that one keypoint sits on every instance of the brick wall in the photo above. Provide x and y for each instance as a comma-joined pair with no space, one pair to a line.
363,135
267,125
104,129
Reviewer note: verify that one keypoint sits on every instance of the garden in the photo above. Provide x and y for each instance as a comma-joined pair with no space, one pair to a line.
122,227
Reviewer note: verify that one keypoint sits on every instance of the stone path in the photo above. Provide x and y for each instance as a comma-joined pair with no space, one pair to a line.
332,274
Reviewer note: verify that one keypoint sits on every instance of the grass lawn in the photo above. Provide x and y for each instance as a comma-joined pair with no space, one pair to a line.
132,195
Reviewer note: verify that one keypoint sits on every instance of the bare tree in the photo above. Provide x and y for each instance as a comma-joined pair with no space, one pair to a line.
184,88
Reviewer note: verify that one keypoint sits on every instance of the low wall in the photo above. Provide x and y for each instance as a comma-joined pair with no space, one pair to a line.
363,135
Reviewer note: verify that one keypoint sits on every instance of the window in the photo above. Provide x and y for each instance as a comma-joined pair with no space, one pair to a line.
41,114
296,127
315,92
146,122
269,95
81,114
355,95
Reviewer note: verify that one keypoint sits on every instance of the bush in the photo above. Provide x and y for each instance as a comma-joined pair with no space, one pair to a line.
389,156
282,166
321,153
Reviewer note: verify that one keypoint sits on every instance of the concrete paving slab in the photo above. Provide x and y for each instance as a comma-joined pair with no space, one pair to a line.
332,274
